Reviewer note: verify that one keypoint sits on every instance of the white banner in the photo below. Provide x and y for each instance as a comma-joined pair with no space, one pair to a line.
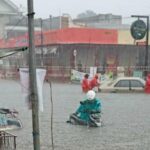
93,71
24,78
79,76
76,75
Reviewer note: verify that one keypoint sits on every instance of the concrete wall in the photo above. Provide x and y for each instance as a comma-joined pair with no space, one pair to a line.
91,55
124,37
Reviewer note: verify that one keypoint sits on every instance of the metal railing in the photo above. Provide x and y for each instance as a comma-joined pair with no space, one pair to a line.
7,141
64,72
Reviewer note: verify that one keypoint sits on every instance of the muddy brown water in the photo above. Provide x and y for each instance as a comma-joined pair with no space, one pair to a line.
125,116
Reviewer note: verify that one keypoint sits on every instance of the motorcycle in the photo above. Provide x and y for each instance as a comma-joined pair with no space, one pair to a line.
94,120
9,119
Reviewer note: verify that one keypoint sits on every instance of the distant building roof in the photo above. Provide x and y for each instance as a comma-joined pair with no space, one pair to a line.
101,21
99,18
67,36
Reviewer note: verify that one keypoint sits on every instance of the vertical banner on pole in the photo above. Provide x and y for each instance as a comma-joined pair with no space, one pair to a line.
40,76
24,79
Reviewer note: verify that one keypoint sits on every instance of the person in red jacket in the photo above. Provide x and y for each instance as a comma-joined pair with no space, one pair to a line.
85,84
95,83
147,84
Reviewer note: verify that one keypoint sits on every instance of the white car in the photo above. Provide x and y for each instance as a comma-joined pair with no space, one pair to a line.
124,84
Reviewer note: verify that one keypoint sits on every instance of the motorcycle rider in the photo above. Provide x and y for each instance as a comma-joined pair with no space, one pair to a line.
87,110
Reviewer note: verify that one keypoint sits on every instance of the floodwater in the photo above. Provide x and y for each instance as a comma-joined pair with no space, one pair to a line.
126,119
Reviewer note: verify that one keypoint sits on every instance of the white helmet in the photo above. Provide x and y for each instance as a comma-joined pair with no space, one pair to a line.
90,95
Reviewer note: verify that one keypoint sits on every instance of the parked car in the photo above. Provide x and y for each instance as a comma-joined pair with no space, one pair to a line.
124,84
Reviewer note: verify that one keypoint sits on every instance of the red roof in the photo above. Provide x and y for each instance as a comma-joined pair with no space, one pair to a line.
67,36
81,35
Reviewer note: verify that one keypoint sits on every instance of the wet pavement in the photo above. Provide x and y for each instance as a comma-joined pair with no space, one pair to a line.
125,117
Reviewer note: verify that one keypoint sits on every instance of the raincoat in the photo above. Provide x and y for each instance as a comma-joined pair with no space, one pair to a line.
147,84
94,82
85,85
88,107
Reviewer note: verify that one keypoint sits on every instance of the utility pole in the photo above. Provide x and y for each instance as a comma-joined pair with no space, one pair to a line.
32,77
50,21
147,52
146,44
41,21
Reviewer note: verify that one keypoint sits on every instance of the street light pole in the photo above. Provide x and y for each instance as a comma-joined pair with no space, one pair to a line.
147,40
50,21
75,59
147,53
42,59
32,77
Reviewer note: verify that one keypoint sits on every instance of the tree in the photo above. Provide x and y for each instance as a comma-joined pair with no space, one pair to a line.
87,13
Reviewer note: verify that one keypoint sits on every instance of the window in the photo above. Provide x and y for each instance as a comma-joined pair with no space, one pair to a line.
136,83
122,83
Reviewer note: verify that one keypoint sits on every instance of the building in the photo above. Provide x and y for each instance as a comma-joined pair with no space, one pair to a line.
53,23
8,10
108,21
18,26
100,40
103,48
13,22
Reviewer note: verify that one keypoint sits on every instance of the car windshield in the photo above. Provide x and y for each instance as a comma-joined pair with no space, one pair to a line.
136,83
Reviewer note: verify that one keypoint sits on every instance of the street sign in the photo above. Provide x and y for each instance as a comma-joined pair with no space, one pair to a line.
75,52
138,29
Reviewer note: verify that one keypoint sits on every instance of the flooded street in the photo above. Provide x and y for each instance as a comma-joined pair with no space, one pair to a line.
125,116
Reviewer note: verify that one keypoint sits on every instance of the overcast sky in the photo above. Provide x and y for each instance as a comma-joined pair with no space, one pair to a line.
126,8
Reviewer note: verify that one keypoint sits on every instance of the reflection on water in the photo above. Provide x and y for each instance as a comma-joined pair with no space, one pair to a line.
126,119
